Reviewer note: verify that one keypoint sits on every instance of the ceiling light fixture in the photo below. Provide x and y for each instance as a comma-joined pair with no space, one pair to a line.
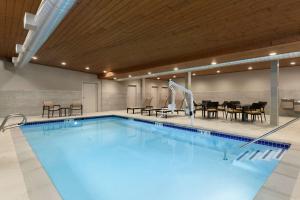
63,63
194,74
149,73
87,68
129,76
218,71
115,78
213,62
250,68
158,78
272,54
34,57
174,76
104,71
175,68
293,63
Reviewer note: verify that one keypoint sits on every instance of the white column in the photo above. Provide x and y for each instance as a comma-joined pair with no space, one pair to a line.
188,81
143,90
274,117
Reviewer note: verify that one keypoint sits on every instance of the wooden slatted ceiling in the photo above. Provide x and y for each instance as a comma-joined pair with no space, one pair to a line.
130,35
11,24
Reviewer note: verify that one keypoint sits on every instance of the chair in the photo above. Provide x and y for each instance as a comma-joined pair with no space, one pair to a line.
233,109
223,107
49,106
263,106
146,105
197,107
212,108
255,110
75,106
203,106
165,111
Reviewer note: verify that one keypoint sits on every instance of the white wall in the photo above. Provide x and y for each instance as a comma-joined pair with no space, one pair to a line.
24,89
247,87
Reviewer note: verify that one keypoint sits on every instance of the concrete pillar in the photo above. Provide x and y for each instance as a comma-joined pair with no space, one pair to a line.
274,118
143,90
188,81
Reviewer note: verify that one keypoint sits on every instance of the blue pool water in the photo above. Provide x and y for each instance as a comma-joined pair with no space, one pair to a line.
118,159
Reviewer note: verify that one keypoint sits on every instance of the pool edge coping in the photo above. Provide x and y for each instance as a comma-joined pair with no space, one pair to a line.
37,181
270,189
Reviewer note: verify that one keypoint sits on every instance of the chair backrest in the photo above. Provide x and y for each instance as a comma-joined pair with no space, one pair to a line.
231,105
48,103
235,102
212,104
76,104
163,103
256,106
147,102
263,104
204,102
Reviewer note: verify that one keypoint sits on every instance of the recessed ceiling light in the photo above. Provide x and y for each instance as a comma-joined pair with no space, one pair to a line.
149,73
175,68
293,63
213,62
34,57
115,78
250,68
194,74
218,71
158,78
87,68
129,76
64,63
272,54
104,71
174,76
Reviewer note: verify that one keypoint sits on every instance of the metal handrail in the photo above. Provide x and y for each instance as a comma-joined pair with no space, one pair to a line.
269,133
3,127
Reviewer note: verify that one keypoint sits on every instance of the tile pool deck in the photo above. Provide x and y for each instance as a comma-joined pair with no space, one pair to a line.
22,177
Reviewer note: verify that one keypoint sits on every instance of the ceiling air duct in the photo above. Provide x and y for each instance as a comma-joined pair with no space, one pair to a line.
40,26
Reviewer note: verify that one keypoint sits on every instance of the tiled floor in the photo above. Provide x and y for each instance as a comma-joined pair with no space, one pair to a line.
282,184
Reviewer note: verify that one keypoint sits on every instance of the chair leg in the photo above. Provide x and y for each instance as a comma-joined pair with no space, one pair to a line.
43,112
265,116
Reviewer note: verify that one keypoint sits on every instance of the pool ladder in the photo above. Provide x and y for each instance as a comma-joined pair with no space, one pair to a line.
258,155
261,155
4,127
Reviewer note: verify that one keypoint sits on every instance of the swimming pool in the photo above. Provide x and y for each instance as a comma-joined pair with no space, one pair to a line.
113,158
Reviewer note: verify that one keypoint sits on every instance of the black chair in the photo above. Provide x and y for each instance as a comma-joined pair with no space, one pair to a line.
233,109
255,110
263,106
204,106
76,106
222,107
50,107
212,108
197,107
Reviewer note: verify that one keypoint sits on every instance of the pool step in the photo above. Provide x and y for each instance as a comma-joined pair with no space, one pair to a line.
261,155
